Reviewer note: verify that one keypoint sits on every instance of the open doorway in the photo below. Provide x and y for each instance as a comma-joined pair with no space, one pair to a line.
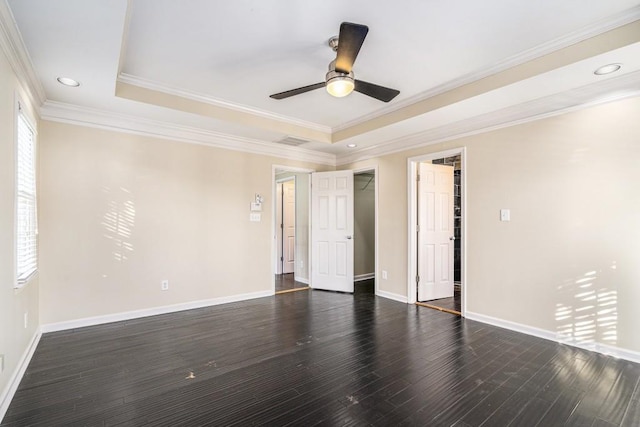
291,229
364,200
437,237
364,229
285,225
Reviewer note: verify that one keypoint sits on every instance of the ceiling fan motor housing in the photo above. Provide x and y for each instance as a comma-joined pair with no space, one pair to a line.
339,84
333,74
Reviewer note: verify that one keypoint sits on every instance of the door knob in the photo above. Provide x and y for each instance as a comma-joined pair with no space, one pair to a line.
348,237
452,238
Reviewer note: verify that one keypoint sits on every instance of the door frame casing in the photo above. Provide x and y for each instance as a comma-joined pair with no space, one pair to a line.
274,248
412,200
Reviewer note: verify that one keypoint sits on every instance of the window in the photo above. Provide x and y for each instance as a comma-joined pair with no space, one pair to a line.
26,216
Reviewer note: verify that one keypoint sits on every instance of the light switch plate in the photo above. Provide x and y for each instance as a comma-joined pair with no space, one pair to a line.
505,215
255,217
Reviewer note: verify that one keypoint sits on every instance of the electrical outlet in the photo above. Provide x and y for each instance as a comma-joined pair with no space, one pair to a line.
26,319
164,285
384,274
301,263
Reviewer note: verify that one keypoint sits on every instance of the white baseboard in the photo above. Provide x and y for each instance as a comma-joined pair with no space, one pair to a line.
391,295
11,387
609,350
128,315
301,280
361,277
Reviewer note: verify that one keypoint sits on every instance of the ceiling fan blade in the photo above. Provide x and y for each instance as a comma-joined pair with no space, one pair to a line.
350,41
298,91
381,93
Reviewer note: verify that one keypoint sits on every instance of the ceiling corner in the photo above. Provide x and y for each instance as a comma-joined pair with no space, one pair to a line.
18,57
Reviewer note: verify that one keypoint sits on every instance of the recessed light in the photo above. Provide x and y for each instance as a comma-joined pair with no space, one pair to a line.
352,145
607,69
68,81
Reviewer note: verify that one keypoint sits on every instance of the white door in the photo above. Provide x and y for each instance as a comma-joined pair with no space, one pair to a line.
288,226
332,231
435,235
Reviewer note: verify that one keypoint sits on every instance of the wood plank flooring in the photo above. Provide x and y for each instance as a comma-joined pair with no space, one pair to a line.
318,358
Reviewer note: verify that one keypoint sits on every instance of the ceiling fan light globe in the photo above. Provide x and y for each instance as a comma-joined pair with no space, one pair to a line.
340,86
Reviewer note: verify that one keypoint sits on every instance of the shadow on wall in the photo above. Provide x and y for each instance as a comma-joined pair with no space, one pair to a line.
589,313
118,221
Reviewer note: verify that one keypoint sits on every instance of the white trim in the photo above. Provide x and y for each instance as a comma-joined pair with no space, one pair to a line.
624,86
412,239
14,48
609,350
392,296
464,214
153,311
11,387
609,90
277,203
412,194
301,280
102,119
274,249
593,30
362,277
198,97
289,178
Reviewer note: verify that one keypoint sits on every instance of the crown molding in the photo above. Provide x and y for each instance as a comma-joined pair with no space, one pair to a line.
18,57
159,87
626,17
613,89
101,119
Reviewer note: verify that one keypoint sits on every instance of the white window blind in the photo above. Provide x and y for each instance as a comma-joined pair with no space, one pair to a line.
26,216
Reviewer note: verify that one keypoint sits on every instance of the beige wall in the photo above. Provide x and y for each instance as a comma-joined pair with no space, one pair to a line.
120,213
391,179
14,337
569,257
364,225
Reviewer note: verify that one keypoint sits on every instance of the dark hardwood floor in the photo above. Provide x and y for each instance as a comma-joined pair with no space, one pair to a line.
318,358
453,303
286,282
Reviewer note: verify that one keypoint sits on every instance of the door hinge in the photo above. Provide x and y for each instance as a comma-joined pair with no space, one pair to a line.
281,258
418,177
281,226
418,228
417,279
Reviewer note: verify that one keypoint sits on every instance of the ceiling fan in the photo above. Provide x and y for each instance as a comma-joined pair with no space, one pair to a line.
340,80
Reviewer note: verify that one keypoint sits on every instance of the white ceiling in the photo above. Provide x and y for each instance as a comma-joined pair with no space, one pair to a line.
234,54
